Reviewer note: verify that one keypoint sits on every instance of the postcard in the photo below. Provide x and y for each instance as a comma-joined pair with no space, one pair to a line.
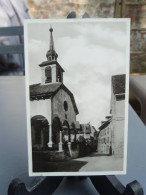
77,88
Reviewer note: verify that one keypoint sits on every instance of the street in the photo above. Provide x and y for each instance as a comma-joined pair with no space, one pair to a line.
101,163
90,163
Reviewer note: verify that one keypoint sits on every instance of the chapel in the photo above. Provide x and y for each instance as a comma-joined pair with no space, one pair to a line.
53,108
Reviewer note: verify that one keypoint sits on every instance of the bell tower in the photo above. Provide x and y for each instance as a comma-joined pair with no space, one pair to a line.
51,71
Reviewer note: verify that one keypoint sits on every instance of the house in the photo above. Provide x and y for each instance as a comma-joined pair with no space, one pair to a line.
87,131
104,137
87,139
111,131
93,132
117,111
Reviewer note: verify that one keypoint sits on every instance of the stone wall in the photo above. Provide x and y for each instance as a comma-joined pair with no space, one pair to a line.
61,8
41,107
134,9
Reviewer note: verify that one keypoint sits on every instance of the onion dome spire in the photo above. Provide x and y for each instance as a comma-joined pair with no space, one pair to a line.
51,53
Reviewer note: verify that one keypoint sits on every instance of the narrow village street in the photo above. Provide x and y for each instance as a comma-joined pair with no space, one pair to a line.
90,163
100,163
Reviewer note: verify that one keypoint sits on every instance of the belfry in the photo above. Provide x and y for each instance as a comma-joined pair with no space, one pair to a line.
51,71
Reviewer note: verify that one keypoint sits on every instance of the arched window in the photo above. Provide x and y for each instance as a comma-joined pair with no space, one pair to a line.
48,75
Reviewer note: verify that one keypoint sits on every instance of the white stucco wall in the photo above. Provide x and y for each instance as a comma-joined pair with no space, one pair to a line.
41,107
120,108
117,126
104,147
43,77
58,107
53,73
53,69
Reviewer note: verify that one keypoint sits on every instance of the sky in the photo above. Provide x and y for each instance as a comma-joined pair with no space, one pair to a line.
90,51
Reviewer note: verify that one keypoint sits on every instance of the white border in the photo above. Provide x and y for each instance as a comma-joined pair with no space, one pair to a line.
26,22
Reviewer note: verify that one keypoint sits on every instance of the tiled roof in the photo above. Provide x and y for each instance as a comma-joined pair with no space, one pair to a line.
86,128
38,89
118,83
45,63
105,124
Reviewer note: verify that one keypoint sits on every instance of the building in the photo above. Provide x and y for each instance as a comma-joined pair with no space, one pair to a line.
111,131
117,111
104,138
85,131
53,109
87,139
94,132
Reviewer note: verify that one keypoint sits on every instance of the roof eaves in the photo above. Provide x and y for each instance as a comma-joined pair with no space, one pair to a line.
45,63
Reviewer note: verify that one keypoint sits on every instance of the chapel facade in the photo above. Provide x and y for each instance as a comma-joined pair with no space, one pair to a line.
53,108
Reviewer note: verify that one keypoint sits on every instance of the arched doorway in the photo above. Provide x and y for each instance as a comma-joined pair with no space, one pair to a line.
56,128
39,132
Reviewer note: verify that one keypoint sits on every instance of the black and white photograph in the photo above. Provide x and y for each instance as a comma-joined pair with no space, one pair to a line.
77,83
